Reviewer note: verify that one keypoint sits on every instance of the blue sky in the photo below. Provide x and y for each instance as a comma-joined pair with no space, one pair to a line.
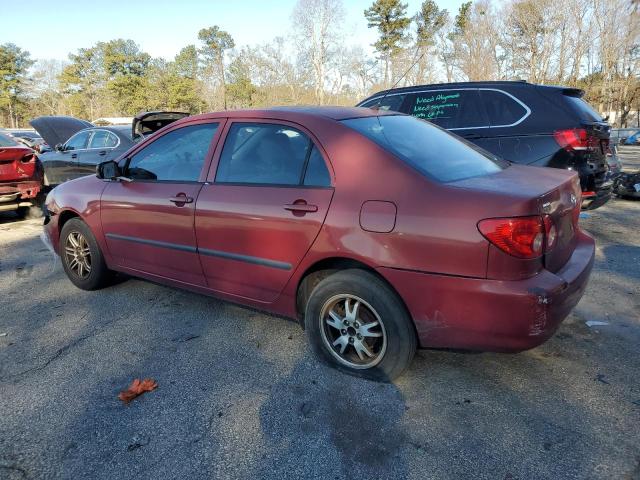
53,28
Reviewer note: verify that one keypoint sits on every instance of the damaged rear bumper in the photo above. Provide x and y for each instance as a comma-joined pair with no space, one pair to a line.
20,194
493,315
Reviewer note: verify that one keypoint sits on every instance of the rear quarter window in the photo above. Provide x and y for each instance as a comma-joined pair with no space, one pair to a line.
502,109
433,151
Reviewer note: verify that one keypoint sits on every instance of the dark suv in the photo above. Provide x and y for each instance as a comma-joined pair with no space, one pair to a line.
524,123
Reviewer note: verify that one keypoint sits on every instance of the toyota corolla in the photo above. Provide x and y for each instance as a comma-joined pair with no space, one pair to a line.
379,232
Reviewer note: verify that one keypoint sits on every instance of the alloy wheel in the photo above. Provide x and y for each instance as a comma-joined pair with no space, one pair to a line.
353,331
78,254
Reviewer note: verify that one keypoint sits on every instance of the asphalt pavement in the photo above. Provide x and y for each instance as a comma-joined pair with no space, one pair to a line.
240,395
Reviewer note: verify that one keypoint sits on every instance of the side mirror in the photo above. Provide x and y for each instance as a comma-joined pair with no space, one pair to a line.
108,170
59,147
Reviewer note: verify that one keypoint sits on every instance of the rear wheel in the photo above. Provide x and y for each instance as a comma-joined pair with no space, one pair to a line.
357,324
82,258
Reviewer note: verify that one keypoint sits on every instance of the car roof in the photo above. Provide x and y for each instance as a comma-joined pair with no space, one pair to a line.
120,130
477,84
297,113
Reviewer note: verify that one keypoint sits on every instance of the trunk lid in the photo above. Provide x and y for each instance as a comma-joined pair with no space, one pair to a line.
562,206
16,164
520,191
147,123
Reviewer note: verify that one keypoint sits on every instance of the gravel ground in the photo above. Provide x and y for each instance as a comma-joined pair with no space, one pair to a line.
241,396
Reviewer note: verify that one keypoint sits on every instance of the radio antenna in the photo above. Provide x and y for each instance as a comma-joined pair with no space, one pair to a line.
377,105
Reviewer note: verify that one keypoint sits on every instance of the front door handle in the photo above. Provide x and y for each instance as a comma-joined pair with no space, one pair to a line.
181,199
102,153
301,207
74,155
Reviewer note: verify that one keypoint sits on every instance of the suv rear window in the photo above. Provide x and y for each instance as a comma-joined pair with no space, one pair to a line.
583,109
431,150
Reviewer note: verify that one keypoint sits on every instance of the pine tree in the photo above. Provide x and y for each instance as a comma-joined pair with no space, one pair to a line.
390,18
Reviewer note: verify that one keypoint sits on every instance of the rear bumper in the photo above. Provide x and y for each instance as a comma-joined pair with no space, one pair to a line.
19,194
593,200
492,315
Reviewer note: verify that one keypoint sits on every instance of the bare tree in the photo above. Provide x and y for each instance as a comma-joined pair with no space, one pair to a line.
318,30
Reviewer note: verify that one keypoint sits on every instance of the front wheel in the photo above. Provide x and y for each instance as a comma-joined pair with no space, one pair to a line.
357,324
82,258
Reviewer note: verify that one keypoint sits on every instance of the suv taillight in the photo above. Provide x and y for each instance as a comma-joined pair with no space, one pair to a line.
522,237
575,139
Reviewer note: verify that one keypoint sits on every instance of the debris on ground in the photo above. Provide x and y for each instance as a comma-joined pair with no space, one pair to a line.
595,323
137,388
3,334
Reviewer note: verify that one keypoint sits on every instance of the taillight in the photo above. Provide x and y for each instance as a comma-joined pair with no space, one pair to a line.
575,139
551,233
522,237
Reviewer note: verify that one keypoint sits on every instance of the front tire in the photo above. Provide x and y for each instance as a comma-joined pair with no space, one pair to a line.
357,324
82,258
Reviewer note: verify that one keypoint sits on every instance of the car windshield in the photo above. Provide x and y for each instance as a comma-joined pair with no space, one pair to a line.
7,141
428,148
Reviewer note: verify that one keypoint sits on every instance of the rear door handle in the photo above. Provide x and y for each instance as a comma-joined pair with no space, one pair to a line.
102,153
301,207
181,199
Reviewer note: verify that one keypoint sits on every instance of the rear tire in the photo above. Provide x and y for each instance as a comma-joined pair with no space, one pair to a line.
82,258
357,324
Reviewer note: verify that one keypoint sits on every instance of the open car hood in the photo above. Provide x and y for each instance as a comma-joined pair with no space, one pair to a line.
146,123
57,130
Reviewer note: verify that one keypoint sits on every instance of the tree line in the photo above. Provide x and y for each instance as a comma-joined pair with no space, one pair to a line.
589,44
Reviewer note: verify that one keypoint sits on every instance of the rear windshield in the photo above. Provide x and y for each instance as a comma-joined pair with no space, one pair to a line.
7,141
430,149
583,109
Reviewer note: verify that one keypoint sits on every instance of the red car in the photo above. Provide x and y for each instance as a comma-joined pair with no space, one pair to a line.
378,231
20,176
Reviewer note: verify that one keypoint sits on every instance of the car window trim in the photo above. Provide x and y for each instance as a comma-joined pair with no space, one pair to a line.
211,178
522,104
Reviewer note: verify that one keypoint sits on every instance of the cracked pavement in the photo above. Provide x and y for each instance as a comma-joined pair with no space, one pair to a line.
241,396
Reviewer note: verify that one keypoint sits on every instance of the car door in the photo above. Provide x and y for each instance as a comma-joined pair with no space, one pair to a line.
148,222
64,166
262,207
100,147
458,110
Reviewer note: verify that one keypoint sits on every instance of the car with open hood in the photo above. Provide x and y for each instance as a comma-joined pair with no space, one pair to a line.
20,176
79,146
379,232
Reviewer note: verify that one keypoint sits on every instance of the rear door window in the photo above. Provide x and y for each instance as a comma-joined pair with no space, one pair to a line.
503,110
103,139
263,153
450,109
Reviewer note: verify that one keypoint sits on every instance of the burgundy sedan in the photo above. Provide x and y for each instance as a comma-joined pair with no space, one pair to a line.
377,231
